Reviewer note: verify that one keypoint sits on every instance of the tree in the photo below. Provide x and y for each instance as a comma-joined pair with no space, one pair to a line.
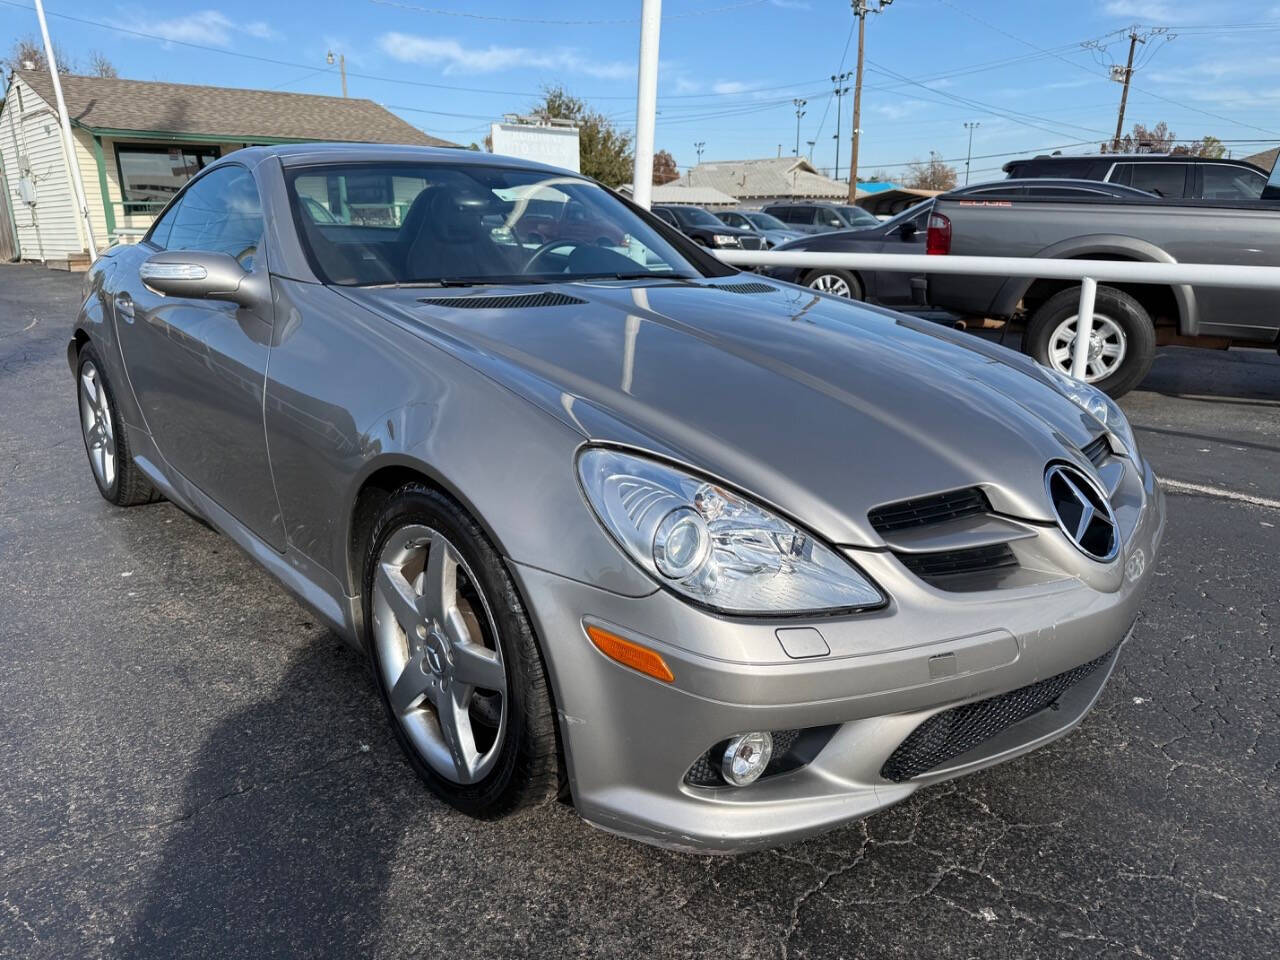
934,175
604,151
878,176
1157,139
28,50
1209,147
664,168
100,66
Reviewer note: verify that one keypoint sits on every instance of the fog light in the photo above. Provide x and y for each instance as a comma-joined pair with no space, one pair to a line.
745,757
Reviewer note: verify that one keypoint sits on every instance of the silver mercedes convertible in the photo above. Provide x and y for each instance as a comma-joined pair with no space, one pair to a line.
722,561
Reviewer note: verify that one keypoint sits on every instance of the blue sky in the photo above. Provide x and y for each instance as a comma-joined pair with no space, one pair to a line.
729,68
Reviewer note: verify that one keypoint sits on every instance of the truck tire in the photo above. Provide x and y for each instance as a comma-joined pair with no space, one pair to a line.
1122,345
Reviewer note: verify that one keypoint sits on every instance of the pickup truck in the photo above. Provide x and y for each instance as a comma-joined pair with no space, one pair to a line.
1130,320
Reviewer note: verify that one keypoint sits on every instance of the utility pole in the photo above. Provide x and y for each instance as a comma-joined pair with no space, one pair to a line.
68,141
1134,40
840,84
860,10
342,68
800,111
646,102
697,147
811,143
970,126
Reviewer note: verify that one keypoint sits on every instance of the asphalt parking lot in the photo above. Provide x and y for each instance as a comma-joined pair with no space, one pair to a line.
192,767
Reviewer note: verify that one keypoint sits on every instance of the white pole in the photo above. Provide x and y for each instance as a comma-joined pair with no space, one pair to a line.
646,102
1084,327
68,141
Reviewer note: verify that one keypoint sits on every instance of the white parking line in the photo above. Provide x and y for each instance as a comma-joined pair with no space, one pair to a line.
1222,493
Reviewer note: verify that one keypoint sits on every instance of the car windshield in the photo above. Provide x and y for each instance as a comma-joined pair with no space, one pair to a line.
857,217
696,217
765,221
366,224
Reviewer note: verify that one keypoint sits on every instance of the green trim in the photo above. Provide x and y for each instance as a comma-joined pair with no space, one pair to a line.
115,133
102,185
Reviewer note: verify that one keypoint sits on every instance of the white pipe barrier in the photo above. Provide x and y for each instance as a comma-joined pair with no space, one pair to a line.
1088,272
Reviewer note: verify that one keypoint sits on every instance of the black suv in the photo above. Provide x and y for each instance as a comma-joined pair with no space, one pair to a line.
817,217
1165,175
705,228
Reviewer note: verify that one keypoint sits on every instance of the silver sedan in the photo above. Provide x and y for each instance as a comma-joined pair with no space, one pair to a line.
723,561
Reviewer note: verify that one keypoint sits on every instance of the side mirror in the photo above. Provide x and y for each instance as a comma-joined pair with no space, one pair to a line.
908,230
199,275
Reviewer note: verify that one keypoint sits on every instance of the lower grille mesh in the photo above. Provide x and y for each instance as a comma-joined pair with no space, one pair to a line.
954,732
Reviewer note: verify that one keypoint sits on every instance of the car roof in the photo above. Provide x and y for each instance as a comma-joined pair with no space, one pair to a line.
303,154
1092,186
1131,158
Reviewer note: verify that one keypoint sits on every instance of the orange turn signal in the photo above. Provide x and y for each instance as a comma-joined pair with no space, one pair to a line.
630,654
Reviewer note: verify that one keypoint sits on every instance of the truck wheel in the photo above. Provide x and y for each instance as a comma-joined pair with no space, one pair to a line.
840,282
1121,346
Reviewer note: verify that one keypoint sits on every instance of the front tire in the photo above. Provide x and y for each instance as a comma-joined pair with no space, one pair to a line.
842,283
1121,347
455,658
111,461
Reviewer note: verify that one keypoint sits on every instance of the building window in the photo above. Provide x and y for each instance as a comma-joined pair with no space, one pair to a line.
150,176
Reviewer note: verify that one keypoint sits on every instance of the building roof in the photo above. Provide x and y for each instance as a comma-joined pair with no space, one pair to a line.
1266,159
768,178
111,103
675,193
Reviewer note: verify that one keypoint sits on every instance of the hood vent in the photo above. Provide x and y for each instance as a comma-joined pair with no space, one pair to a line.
926,511
747,287
1097,450
506,302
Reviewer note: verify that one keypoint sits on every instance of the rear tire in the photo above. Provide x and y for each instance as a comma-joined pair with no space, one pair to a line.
485,751
105,441
842,283
1123,341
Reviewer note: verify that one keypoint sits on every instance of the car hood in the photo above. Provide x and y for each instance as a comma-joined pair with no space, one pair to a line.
822,407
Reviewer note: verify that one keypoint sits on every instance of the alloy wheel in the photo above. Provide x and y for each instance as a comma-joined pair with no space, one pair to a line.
830,283
1107,347
438,654
95,422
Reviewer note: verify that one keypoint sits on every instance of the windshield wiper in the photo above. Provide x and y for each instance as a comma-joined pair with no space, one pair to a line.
638,275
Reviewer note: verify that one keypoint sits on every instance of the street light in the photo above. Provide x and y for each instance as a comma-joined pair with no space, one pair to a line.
970,126
342,67
800,112
840,82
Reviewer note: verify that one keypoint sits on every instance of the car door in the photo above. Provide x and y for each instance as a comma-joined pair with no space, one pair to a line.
893,288
198,367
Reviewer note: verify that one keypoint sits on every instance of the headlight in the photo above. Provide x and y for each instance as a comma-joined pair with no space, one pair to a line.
724,240
1101,407
715,546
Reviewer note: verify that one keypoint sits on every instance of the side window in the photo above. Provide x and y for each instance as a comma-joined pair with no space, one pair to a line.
1225,182
828,218
666,217
785,214
220,212
1162,179
160,232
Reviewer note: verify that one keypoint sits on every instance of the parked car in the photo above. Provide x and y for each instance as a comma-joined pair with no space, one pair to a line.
1131,320
705,228
906,233
771,228
814,217
616,526
547,220
1171,176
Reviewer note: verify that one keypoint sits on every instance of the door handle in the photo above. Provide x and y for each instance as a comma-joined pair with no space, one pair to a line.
124,306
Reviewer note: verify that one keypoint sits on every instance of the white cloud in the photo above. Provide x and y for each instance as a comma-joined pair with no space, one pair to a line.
729,86
1142,9
453,57
209,27
792,4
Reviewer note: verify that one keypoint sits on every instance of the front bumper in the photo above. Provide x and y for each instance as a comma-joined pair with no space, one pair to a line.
630,740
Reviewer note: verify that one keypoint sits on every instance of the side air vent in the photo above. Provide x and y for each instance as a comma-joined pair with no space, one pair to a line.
949,563
509,302
926,511
1097,450
747,287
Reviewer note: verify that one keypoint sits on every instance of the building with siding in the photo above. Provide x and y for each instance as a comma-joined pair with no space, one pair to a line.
138,142
757,182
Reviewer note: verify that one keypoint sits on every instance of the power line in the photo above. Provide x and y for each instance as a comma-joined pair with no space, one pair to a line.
495,18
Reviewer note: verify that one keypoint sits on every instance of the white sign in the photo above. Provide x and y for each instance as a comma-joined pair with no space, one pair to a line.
556,146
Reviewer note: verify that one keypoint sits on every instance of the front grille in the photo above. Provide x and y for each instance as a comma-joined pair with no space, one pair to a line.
747,287
507,302
924,511
949,563
955,732
750,243
1097,450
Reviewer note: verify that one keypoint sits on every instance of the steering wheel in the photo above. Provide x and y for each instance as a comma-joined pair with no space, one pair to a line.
544,249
